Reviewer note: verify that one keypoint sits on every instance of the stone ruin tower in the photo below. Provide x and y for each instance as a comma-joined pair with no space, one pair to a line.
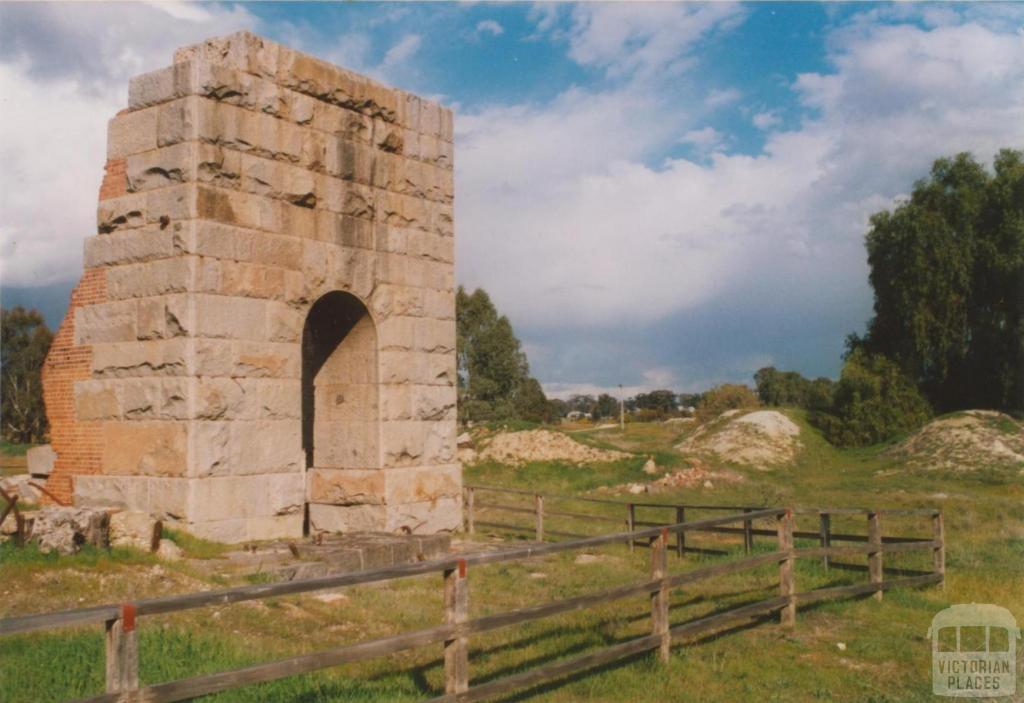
263,339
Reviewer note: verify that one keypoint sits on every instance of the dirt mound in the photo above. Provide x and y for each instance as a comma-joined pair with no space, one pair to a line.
762,439
543,445
965,441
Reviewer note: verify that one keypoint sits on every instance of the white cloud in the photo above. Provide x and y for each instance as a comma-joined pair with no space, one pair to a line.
403,50
765,120
489,27
564,219
627,38
721,97
64,70
704,139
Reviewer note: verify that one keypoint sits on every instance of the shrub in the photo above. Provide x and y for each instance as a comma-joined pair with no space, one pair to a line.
873,401
728,396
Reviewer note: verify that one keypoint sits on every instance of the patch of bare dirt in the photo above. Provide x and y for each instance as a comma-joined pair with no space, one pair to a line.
966,441
762,439
518,448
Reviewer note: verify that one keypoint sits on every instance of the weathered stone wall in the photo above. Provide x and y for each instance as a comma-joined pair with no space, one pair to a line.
243,184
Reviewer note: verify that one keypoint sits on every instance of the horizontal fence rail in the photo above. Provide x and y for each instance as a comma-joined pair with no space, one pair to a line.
120,620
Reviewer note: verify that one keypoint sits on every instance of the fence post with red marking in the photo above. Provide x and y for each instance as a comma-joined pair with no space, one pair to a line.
456,609
122,645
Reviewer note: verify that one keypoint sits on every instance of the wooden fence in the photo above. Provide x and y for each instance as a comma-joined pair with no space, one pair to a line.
121,620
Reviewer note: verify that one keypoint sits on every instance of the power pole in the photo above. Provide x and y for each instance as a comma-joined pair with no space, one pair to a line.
622,411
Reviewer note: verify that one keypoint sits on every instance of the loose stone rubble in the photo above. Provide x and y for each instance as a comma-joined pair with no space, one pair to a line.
264,333
543,445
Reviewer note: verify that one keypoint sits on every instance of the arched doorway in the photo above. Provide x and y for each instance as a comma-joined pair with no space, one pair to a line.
339,385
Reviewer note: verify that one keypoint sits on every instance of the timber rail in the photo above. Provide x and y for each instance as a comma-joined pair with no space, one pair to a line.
121,620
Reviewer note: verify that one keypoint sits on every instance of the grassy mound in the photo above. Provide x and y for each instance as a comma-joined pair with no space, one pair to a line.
964,441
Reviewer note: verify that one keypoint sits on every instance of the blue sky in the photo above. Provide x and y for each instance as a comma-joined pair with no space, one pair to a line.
657,194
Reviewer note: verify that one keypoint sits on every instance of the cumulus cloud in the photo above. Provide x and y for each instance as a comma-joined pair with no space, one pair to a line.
644,38
610,237
765,120
719,97
63,73
489,27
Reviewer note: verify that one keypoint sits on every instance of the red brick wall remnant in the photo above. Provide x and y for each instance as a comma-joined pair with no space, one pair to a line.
79,445
115,180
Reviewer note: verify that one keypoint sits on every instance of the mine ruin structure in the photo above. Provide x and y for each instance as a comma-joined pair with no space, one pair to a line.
263,340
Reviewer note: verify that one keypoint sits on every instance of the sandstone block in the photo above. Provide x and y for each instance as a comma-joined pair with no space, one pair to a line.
145,448
97,400
435,336
266,447
164,317
135,529
153,358
413,443
176,121
40,460
442,515
154,398
112,491
161,168
160,277
243,359
346,486
347,518
227,242
350,445
130,246
239,209
274,527
106,322
168,498
423,484
222,316
125,212
131,133
284,323
172,204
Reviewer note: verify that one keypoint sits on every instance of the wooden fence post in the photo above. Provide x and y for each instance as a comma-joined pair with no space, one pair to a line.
825,535
631,523
538,505
122,650
470,499
787,578
748,534
659,598
875,556
939,550
681,535
456,610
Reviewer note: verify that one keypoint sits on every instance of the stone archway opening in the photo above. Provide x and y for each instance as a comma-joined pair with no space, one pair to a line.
340,419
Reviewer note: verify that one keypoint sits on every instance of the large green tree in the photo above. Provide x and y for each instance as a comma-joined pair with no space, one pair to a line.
493,374
24,342
947,268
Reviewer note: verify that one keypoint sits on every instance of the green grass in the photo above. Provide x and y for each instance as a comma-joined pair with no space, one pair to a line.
30,558
13,448
886,656
195,547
